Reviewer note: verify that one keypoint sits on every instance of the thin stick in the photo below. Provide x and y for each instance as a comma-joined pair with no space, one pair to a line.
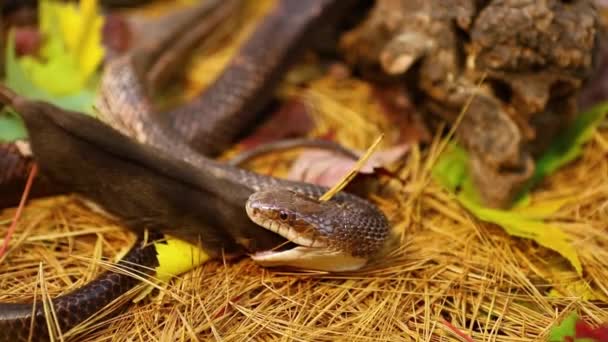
353,172
458,331
11,229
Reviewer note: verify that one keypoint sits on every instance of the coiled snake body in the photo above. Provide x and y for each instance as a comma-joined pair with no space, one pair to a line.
163,184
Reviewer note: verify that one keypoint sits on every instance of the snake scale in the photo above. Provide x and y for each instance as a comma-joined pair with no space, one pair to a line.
152,172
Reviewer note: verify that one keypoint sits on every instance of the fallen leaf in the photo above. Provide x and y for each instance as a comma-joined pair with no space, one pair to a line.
451,168
176,256
19,81
585,331
11,126
567,146
81,28
574,329
326,168
72,48
578,288
564,330
352,173
527,221
520,225
27,41
64,72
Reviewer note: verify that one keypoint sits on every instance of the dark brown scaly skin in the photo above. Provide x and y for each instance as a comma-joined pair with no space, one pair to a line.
164,185
13,176
146,187
124,98
112,176
231,104
213,121
228,106
14,166
203,201
71,309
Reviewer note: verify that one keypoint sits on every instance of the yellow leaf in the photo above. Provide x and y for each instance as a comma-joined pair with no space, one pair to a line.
525,219
578,288
543,209
72,49
81,28
529,227
176,257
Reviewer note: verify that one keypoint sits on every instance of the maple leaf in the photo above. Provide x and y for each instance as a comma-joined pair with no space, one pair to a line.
72,48
574,329
65,73
565,330
82,30
585,331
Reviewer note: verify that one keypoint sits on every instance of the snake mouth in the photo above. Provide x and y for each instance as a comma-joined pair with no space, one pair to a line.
289,233
301,251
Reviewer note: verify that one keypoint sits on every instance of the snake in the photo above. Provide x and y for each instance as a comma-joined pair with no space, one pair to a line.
154,173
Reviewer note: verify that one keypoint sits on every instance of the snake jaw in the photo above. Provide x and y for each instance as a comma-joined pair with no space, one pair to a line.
313,251
312,258
287,232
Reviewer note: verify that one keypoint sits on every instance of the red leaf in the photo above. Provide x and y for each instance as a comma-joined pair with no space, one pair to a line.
584,330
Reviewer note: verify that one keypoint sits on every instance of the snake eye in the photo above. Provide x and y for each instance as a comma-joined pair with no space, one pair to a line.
283,216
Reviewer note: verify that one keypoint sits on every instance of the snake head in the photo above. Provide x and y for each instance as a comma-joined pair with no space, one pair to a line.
337,235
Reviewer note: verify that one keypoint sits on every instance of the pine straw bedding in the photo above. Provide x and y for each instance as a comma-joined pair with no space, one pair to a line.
447,267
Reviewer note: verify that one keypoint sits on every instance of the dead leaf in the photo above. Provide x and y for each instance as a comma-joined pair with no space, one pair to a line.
325,168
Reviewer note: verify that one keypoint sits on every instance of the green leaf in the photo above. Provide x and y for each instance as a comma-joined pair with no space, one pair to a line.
525,221
72,48
528,227
17,78
566,329
568,146
451,168
64,76
11,126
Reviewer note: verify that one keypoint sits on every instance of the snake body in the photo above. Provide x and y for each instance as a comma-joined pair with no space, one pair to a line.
155,180
16,319
211,122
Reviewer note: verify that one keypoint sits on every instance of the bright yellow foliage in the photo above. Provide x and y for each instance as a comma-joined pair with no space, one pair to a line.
81,28
72,49
176,257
